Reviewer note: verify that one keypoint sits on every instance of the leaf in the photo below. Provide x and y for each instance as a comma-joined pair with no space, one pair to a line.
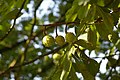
83,69
83,11
115,77
107,20
92,66
81,2
100,2
92,35
55,75
71,14
67,64
73,75
91,14
84,44
11,15
12,63
111,61
80,29
102,30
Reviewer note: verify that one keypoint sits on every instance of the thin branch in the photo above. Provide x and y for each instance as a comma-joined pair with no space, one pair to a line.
24,55
29,62
113,67
11,28
4,49
59,23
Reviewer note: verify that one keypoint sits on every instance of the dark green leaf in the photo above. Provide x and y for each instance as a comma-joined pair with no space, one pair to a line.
102,30
107,19
67,64
83,69
83,11
84,44
92,35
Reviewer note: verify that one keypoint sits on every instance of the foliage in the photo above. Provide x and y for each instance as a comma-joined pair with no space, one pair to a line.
95,28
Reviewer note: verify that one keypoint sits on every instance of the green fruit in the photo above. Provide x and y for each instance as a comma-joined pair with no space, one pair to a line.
70,37
48,41
56,56
60,40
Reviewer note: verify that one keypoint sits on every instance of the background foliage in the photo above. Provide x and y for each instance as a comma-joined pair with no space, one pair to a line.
96,24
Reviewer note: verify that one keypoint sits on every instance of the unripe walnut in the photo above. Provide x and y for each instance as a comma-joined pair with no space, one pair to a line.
70,37
56,56
60,40
48,41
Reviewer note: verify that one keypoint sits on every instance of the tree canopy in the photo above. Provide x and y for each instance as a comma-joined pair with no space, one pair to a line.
70,40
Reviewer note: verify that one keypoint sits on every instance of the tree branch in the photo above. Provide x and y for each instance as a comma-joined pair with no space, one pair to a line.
11,28
4,49
59,23
23,55
29,62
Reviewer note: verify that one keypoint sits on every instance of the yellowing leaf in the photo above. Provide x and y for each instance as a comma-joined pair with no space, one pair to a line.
12,63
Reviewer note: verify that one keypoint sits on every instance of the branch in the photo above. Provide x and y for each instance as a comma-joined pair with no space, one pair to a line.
29,62
23,55
59,23
113,67
11,28
4,49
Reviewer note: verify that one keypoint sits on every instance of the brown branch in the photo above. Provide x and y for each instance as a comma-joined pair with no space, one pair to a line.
113,67
4,49
11,28
59,23
29,62
31,32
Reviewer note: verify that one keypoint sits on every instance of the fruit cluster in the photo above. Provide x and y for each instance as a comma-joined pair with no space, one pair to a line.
49,41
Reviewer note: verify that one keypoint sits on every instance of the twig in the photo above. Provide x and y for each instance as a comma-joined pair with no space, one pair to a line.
23,55
11,28
4,49
59,23
113,67
39,57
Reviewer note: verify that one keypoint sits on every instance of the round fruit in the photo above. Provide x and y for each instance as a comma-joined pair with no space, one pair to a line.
56,56
70,37
48,41
60,40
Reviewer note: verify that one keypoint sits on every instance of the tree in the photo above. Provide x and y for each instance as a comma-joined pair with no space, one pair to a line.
95,31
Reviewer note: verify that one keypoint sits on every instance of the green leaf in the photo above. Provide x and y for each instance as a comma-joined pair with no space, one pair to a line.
91,14
84,44
92,35
67,64
100,2
92,66
102,30
115,77
111,61
73,75
81,2
71,14
80,29
55,75
83,11
107,19
83,69
11,15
